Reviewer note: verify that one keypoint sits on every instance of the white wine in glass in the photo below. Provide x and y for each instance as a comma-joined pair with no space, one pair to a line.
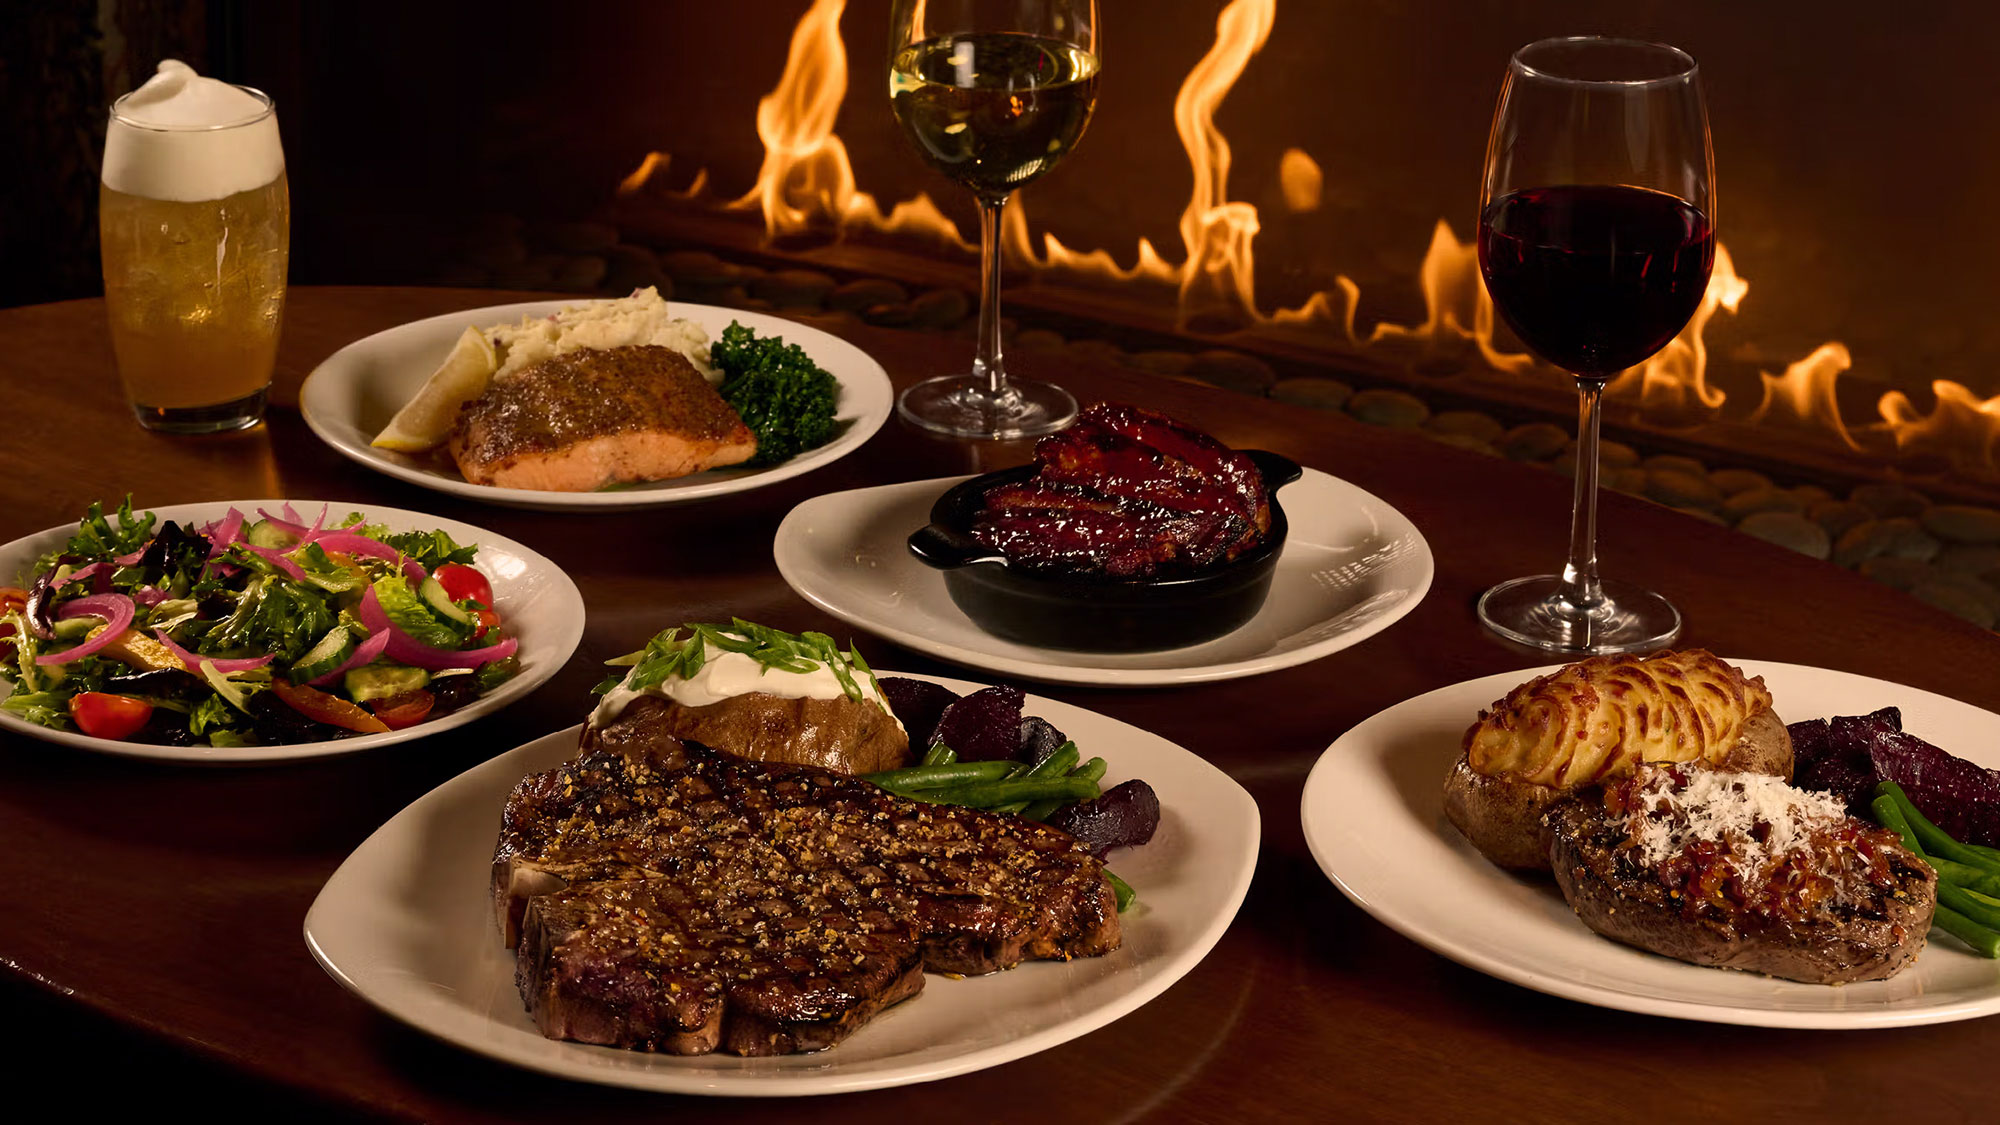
993,93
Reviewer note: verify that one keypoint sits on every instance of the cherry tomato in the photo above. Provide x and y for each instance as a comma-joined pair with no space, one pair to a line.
329,709
463,582
489,622
100,715
407,709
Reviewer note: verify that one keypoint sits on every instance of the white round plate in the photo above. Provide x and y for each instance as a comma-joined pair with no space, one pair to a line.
406,924
536,600
1352,566
1374,819
349,398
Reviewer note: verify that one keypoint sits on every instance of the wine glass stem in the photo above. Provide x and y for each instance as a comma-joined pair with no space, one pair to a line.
1579,584
986,365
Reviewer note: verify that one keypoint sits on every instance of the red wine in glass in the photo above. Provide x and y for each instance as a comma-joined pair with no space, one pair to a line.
1595,278
1596,240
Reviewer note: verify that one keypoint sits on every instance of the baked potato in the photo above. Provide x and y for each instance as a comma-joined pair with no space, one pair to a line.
1594,721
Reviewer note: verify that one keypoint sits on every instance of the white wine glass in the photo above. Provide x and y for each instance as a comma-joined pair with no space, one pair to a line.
993,93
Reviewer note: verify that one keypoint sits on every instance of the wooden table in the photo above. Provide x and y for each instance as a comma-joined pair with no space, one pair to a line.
151,943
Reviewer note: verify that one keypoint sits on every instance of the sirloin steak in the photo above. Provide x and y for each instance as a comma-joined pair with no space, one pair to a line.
669,897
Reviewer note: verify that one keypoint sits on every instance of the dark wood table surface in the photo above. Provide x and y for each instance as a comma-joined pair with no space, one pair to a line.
151,950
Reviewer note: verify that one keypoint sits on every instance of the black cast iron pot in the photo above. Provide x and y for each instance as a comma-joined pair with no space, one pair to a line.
1095,613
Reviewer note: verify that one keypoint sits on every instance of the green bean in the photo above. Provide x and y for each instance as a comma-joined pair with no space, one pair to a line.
1059,762
935,777
1983,941
1126,895
1990,853
1934,839
1890,815
1983,899
940,755
1985,914
992,794
1967,876
1093,769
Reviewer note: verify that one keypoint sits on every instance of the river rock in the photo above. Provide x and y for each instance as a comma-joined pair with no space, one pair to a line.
1161,362
1900,536
940,308
1533,441
1467,423
1233,370
697,267
577,238
1753,500
1955,599
1810,494
1379,406
1097,351
1631,479
1903,574
1962,523
860,293
1789,529
1679,489
1463,441
582,273
1889,500
892,314
1969,558
1839,516
794,289
1674,462
1038,340
1734,481
1313,391
1611,454
1702,514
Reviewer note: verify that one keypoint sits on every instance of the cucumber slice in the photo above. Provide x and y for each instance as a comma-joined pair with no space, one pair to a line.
264,533
381,680
331,652
440,603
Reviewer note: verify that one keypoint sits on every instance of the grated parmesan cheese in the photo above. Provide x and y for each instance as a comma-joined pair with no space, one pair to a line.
1727,809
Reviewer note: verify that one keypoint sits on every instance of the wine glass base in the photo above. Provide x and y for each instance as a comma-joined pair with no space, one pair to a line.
961,406
1533,612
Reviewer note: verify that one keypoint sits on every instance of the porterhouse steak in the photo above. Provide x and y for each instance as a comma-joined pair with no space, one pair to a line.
668,897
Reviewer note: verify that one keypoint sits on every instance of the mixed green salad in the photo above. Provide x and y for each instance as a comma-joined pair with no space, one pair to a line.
251,630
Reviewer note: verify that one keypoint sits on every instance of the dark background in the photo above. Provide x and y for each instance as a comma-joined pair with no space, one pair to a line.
1854,142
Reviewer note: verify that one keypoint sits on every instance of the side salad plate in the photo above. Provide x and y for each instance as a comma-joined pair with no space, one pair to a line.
1351,567
350,397
1374,819
443,645
406,923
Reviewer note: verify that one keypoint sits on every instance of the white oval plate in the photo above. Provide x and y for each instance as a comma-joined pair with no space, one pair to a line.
536,600
1352,566
349,398
406,924
1374,818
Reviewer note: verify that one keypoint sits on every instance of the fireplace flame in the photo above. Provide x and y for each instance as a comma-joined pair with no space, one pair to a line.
807,185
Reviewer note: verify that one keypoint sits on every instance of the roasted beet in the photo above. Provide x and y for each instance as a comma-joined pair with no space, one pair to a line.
1849,755
984,726
1039,739
1125,816
917,704
449,693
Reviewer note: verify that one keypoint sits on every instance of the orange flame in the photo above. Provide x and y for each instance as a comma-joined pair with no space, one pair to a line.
1803,395
806,183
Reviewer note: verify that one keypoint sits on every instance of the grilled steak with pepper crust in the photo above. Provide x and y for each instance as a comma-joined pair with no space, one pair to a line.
674,898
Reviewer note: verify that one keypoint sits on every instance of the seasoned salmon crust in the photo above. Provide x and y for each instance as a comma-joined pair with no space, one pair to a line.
586,419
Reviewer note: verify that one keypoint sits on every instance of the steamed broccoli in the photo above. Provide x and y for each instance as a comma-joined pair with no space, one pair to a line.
785,398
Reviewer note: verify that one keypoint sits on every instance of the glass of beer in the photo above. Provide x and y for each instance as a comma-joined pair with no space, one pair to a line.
195,222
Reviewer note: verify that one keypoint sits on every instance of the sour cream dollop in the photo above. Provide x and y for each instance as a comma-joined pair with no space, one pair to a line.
725,675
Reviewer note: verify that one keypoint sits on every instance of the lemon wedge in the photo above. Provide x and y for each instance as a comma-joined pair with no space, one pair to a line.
426,420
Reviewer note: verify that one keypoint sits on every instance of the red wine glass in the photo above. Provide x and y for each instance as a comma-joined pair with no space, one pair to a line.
992,93
1596,239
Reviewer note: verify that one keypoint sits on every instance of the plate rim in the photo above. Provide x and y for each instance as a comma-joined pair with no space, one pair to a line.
1248,827
1319,837
1085,675
566,637
874,392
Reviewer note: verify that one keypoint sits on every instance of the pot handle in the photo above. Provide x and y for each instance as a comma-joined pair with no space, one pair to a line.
1277,469
938,546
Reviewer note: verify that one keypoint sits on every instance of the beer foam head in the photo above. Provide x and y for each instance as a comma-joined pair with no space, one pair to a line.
185,138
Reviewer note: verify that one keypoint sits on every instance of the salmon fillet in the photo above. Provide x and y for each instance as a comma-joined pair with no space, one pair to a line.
580,421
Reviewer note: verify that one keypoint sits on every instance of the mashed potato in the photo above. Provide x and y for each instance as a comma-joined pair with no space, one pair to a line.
639,319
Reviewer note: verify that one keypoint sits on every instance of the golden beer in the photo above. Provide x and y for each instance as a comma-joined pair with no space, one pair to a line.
194,220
